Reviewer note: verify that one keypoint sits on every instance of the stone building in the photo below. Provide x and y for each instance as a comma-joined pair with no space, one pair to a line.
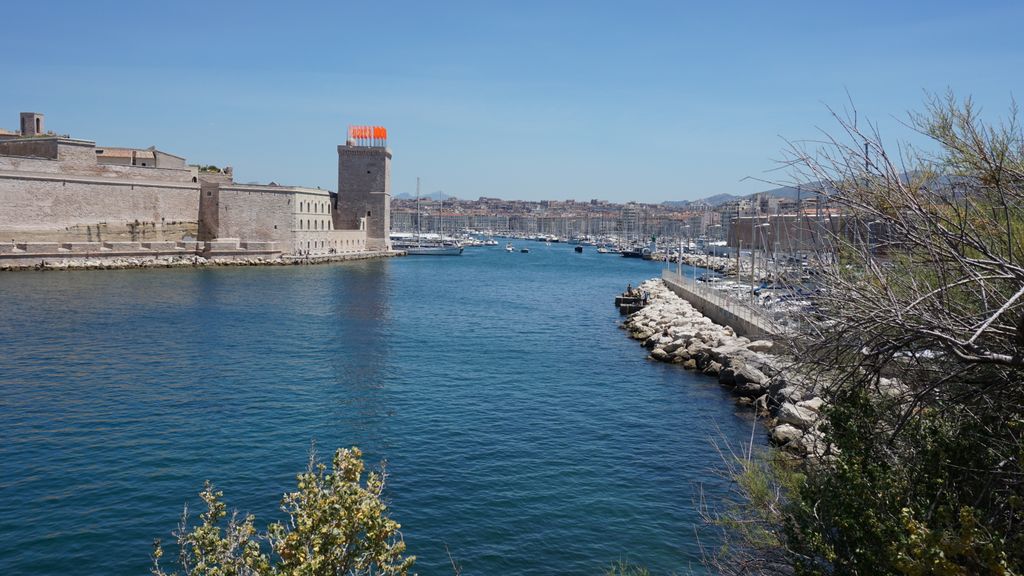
56,190
299,220
364,191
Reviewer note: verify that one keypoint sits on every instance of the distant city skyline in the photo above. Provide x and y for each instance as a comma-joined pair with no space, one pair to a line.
650,102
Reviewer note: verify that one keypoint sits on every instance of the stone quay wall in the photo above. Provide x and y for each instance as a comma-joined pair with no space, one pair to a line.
719,308
163,254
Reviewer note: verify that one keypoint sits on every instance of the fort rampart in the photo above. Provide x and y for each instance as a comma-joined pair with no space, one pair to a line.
67,196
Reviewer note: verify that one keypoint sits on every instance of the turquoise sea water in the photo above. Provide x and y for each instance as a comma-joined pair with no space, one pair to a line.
522,429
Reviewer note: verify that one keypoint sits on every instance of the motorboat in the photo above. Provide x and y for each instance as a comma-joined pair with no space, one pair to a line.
509,247
525,250
578,248
436,250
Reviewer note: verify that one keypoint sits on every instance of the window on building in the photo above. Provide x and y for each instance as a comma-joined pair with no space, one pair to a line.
300,224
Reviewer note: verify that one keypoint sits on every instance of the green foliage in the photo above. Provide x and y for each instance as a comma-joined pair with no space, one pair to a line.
623,568
337,525
922,502
920,361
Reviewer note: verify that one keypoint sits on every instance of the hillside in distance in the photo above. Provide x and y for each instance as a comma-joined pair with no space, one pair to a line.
436,195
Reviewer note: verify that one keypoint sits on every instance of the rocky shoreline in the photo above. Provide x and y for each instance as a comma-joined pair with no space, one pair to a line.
187,261
675,332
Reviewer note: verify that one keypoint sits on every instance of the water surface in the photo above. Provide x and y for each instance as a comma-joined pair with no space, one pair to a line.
520,426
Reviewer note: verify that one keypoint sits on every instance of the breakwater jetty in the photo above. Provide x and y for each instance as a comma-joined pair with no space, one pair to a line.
190,255
720,308
675,331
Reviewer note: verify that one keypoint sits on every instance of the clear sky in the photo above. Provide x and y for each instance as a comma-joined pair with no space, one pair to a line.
645,101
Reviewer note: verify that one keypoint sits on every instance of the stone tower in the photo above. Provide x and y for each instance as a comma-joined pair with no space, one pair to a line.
364,186
32,124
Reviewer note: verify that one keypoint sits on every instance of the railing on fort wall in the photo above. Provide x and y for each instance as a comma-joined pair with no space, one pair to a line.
723,307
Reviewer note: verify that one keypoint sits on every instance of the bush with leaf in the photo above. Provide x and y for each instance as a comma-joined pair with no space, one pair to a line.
337,525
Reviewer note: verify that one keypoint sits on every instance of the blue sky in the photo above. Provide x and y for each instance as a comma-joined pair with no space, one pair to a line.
645,101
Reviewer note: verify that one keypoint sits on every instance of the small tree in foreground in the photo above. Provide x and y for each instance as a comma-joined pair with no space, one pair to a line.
915,340
337,525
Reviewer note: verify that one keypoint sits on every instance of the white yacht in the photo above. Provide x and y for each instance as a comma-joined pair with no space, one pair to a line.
440,247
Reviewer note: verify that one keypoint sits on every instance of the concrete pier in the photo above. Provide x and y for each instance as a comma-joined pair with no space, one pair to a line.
720,308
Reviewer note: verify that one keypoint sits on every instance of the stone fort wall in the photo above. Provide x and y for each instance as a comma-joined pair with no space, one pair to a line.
56,190
63,194
298,219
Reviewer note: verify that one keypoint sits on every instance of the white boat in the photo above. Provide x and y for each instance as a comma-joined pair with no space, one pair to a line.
435,248
602,250
452,250
509,247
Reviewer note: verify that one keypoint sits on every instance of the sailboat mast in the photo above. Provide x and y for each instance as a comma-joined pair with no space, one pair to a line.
417,210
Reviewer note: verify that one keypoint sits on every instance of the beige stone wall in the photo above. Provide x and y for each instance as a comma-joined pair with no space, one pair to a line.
47,208
364,192
298,219
53,189
78,158
253,213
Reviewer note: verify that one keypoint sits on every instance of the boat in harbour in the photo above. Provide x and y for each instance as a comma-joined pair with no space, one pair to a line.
433,250
440,247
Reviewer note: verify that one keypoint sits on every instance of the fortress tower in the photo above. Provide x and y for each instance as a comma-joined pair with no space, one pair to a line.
32,124
364,185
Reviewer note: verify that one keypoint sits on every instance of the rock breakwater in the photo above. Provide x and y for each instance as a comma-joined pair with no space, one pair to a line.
184,261
675,332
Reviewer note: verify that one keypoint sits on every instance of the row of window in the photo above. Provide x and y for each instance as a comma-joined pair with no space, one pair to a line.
334,246
314,207
316,225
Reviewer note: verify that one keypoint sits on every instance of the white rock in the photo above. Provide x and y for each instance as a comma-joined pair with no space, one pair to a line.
813,404
785,433
802,418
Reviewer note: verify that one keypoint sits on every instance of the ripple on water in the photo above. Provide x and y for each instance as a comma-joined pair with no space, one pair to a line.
521,428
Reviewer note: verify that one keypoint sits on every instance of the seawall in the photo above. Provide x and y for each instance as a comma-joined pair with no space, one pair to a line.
719,308
676,332
120,255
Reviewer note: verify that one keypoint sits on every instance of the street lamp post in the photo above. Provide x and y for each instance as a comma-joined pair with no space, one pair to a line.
753,267
682,250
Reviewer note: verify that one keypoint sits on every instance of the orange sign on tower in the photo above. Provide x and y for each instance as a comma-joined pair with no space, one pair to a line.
376,136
